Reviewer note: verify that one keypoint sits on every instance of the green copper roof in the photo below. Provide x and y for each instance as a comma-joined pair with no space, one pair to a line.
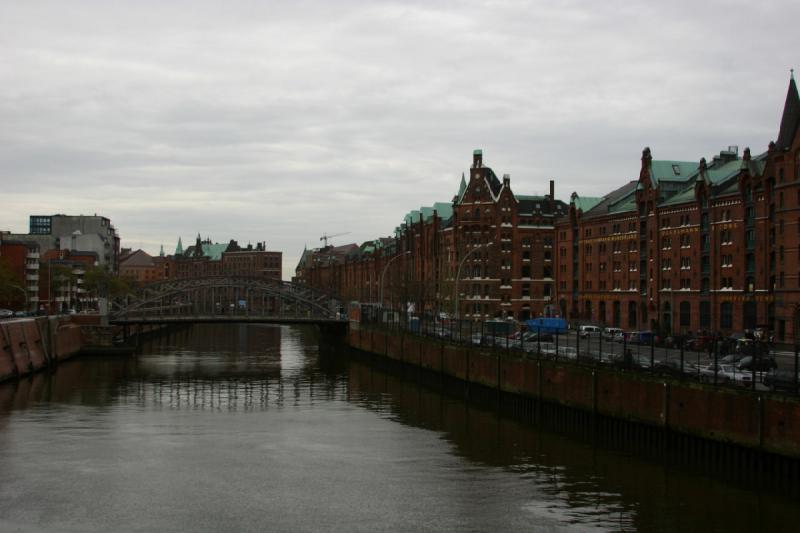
671,170
214,251
179,248
585,203
628,204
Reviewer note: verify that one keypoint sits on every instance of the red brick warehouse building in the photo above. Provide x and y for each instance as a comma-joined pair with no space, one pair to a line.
490,247
706,245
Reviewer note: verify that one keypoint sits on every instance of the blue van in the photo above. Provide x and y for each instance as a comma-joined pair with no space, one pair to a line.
547,325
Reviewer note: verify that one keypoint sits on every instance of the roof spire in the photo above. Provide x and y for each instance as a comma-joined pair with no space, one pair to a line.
179,248
791,117
161,252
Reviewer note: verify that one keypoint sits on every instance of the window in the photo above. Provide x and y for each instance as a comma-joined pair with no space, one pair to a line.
632,266
725,237
666,284
665,223
562,252
631,246
686,240
685,263
686,284
750,238
726,315
615,228
617,285
602,267
750,262
617,266
666,264
705,314
666,243
685,314
727,260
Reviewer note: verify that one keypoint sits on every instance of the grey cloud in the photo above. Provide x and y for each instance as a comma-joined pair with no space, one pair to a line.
278,121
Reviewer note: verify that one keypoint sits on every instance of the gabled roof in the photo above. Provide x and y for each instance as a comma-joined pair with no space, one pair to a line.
617,201
139,258
790,119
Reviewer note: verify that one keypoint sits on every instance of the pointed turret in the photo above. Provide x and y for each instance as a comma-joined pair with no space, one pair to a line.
161,252
461,189
179,248
791,117
198,247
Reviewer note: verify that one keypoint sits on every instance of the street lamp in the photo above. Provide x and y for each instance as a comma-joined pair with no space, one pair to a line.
458,273
386,267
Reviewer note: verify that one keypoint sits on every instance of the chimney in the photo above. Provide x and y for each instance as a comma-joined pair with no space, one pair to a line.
507,180
552,189
477,158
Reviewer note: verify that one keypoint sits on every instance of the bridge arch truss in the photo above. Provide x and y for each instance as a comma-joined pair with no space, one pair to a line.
225,296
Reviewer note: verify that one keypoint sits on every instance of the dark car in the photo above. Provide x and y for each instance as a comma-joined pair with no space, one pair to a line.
671,367
699,344
784,380
760,364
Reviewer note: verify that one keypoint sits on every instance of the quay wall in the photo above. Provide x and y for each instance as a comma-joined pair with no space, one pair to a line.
29,345
763,422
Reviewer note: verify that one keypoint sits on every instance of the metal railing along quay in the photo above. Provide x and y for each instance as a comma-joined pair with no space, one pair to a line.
718,361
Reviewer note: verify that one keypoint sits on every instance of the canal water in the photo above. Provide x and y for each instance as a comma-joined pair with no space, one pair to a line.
250,428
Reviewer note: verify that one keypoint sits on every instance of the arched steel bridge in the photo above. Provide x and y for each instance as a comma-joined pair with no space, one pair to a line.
225,299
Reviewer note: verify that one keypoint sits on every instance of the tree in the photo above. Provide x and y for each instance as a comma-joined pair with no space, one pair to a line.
102,283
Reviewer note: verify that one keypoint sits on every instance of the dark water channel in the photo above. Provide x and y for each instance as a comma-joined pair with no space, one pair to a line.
248,428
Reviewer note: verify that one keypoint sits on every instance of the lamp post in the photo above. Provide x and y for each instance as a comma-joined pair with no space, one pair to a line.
458,273
386,267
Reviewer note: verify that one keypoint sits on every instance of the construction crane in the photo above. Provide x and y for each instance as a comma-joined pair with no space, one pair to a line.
325,237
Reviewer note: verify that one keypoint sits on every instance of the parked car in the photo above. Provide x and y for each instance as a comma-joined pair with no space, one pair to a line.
726,374
699,344
761,364
20,314
6,313
611,333
673,367
781,380
620,336
641,337
589,331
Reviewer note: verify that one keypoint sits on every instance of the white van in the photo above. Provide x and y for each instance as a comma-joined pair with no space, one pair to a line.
589,331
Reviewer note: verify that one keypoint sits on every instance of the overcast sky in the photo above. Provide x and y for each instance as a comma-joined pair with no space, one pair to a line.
279,121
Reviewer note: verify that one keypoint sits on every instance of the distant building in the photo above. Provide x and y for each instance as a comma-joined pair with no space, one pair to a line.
77,233
21,257
61,280
206,258
141,267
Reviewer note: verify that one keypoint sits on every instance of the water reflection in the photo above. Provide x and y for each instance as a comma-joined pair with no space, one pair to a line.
295,440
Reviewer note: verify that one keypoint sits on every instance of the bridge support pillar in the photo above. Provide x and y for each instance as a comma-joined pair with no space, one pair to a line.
333,333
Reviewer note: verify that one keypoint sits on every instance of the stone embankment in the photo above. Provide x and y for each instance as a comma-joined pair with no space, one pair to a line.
764,423
28,345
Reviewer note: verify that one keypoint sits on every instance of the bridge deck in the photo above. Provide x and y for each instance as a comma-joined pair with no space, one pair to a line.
220,319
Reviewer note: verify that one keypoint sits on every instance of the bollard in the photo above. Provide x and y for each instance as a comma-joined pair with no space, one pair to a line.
652,349
796,369
600,345
556,347
539,340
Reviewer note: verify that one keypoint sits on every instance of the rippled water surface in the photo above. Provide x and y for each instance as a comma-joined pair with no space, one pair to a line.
248,428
